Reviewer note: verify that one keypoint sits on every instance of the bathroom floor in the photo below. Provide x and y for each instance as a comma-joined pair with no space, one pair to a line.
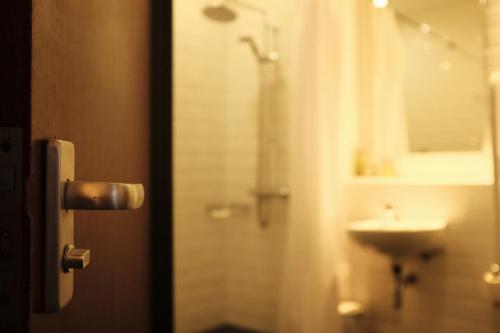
229,329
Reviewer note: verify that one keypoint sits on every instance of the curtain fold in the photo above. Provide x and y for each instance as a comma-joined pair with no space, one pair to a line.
323,95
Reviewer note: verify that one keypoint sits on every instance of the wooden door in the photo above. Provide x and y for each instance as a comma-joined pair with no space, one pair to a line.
90,85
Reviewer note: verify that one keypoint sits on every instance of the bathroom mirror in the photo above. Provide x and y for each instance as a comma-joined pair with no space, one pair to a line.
424,87
445,88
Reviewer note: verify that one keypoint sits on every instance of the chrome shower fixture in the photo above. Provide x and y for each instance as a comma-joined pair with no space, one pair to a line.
264,58
217,10
220,11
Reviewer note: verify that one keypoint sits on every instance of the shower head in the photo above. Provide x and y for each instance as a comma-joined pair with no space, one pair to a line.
218,11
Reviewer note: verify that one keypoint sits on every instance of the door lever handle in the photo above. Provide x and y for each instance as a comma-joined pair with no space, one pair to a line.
63,195
102,196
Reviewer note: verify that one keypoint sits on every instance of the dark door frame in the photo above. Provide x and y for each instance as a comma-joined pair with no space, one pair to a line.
161,166
15,111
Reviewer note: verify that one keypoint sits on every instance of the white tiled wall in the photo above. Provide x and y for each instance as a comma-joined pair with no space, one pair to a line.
198,169
226,271
493,33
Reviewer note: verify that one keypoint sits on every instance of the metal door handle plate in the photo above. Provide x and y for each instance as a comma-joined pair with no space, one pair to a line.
63,195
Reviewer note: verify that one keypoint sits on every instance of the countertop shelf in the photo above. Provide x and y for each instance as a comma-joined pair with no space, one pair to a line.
423,181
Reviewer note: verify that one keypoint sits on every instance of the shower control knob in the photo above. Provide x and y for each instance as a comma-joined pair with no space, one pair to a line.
75,258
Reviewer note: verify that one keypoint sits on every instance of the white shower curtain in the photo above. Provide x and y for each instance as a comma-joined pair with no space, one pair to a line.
323,103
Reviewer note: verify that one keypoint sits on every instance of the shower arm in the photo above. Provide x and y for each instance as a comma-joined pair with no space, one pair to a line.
253,45
261,57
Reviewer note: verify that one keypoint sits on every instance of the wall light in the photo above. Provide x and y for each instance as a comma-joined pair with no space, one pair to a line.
380,3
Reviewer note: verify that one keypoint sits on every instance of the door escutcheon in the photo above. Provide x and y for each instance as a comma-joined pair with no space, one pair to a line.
63,195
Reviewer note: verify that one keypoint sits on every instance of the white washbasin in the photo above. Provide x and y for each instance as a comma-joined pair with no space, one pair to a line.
400,237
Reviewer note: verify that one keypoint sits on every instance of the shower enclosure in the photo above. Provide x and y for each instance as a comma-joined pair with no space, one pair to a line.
230,175
268,74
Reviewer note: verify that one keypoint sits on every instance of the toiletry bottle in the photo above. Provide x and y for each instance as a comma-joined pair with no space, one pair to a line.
388,169
360,163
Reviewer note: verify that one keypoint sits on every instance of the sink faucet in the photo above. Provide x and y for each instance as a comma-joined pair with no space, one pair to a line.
389,214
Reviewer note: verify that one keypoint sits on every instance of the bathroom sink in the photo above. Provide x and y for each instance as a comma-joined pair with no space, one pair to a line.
402,237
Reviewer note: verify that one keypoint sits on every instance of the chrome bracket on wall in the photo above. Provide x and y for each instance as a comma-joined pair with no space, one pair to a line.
63,195
263,196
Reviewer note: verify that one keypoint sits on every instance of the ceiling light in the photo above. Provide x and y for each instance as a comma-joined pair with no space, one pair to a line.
380,3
